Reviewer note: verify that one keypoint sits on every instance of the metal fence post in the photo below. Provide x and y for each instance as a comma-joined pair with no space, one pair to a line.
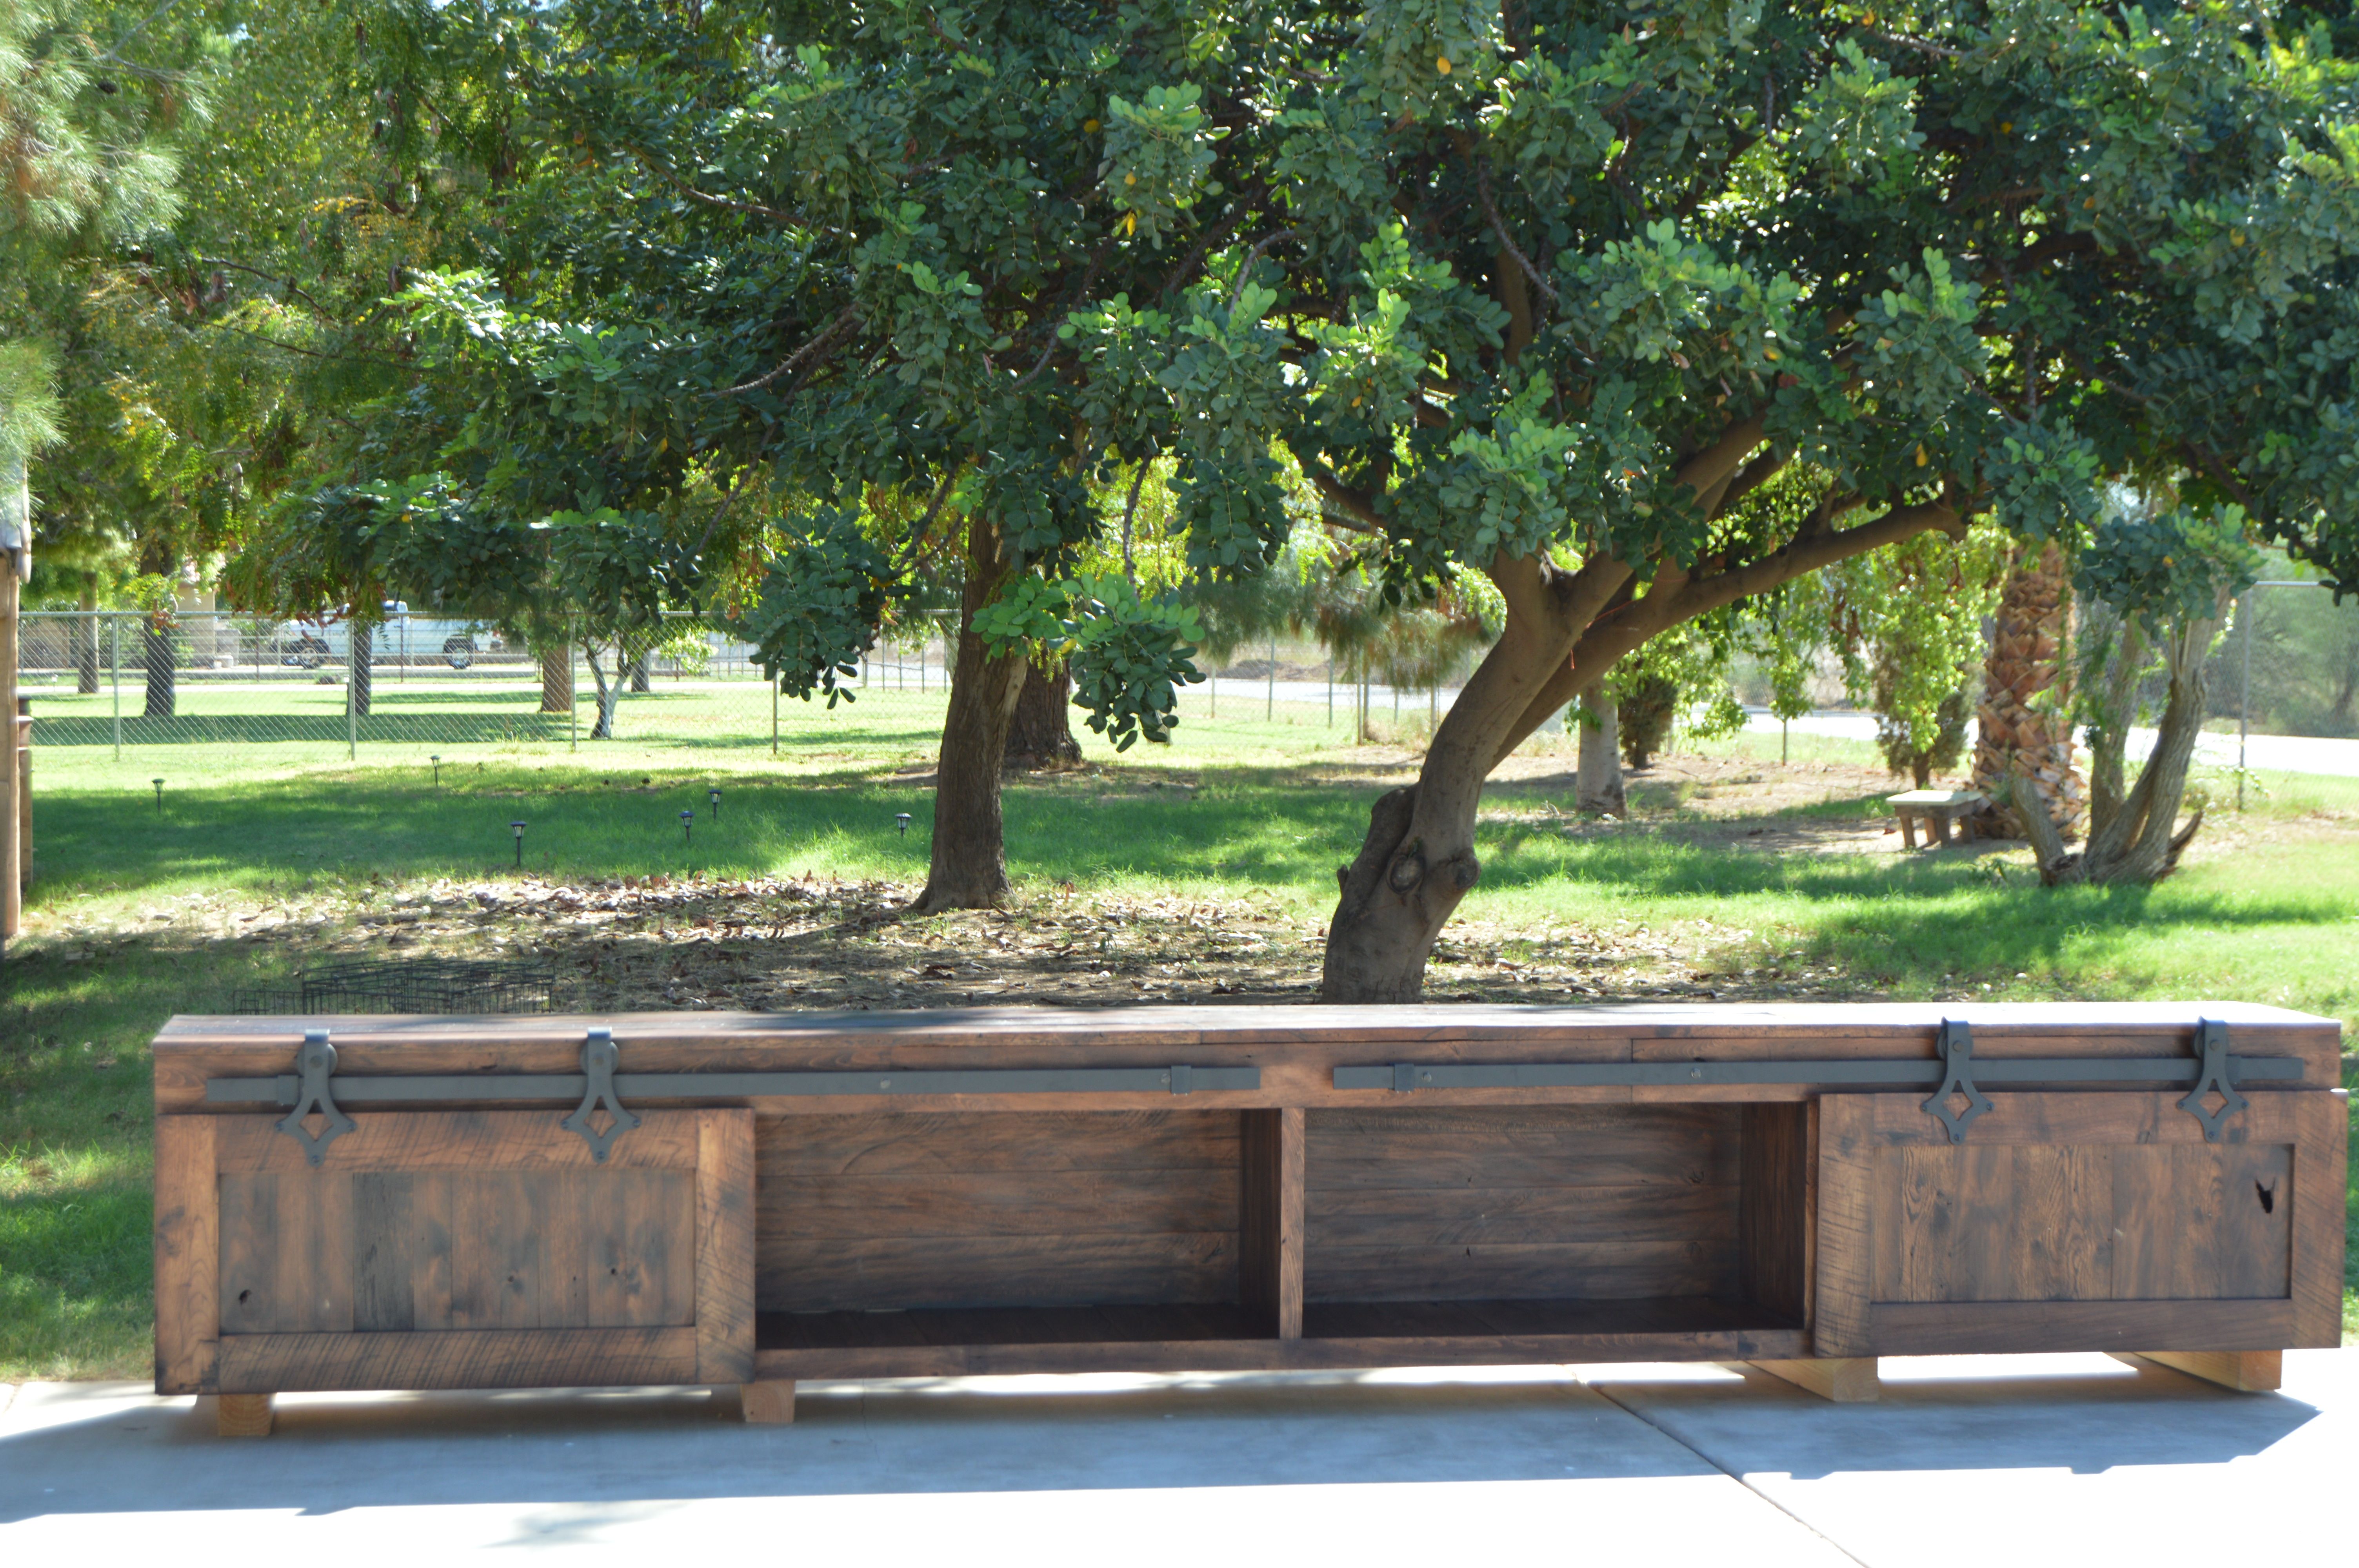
1269,709
115,668
2245,698
773,719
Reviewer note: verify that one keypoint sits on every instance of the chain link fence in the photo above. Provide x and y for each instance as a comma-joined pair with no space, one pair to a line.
115,693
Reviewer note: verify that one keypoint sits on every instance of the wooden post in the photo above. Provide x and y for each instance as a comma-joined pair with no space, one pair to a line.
11,859
24,790
243,1415
2247,1371
1269,1272
1845,1379
770,1403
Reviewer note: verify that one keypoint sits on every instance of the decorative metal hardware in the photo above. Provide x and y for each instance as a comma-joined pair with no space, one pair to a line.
315,1060
2218,1068
1988,1072
599,1059
1956,1043
637,1089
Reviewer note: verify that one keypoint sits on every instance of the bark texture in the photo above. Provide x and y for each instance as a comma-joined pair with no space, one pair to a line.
1565,630
2022,728
359,667
2134,832
159,656
1041,736
85,647
968,868
556,679
1598,784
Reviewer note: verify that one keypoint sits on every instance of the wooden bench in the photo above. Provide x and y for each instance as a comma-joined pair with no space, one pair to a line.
443,1202
1936,808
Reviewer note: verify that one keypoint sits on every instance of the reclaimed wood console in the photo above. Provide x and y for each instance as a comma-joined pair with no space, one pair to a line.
678,1198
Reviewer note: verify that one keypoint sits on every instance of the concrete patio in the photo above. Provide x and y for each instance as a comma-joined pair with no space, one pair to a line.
1999,1460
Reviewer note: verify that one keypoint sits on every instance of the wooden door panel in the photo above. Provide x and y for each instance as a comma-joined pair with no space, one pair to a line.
454,1249
2078,1221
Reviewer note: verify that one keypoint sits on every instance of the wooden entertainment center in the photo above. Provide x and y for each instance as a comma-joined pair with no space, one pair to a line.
387,1203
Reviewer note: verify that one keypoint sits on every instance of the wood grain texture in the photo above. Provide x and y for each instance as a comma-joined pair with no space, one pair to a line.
1774,1217
768,1403
1948,1328
2316,1262
1297,1046
966,1272
1844,1275
459,1140
1038,1209
1620,1203
2247,1371
188,1255
1840,1379
724,1248
1270,1226
243,1415
485,1359
286,1253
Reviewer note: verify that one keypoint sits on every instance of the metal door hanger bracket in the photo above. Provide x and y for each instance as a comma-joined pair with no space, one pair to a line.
1956,1043
315,1062
2211,1041
599,1058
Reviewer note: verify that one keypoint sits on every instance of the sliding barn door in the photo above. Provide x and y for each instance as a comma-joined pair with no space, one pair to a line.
2078,1222
453,1251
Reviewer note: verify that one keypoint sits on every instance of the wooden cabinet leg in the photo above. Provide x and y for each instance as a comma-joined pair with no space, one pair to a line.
243,1415
770,1403
1907,830
2247,1371
1845,1379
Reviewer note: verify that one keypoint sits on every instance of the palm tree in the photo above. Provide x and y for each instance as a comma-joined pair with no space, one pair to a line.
2024,709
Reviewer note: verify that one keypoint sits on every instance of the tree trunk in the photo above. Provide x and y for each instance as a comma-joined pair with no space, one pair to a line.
1041,736
359,666
969,865
85,647
159,653
602,728
1598,782
2134,835
557,678
640,680
1417,861
2025,681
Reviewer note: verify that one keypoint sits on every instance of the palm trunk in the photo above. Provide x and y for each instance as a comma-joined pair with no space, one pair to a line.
2025,683
969,864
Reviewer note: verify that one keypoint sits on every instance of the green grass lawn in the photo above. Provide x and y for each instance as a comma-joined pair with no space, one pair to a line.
2266,910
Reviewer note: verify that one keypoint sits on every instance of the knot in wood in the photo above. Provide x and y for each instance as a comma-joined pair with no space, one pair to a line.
1407,873
1465,868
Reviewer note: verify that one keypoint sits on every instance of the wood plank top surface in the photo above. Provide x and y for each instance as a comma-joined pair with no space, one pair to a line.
1297,1046
1258,1023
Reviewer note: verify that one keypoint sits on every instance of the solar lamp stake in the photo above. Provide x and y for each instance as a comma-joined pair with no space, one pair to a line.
903,818
687,827
517,828
160,793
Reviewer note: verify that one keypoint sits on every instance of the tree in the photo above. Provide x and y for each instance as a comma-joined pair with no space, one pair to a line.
2023,723
2157,581
1568,284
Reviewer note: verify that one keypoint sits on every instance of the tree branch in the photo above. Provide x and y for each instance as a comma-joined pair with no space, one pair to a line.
827,334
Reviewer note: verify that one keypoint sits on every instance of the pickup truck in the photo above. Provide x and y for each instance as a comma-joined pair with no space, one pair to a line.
401,638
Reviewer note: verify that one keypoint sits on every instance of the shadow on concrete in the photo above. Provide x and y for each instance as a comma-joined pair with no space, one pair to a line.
69,1451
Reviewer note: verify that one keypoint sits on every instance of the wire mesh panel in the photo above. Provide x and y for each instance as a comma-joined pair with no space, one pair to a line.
414,985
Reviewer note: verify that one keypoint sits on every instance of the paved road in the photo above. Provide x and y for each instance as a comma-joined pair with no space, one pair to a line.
2032,1460
2264,754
